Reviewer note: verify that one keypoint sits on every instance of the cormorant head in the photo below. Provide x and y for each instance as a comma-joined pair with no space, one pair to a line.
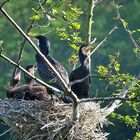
17,77
31,69
84,52
44,44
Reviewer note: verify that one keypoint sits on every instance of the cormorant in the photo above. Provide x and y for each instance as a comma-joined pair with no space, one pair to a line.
31,69
15,82
34,91
45,73
29,91
81,89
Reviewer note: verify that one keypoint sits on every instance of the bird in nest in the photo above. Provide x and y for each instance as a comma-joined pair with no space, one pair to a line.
79,77
45,73
29,91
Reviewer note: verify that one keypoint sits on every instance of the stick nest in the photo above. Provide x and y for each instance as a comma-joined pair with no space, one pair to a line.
48,120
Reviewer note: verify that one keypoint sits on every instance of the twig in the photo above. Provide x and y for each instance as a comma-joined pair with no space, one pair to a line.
78,81
127,29
116,103
108,99
5,132
4,3
105,39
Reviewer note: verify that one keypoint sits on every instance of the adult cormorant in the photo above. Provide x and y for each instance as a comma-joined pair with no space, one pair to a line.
81,89
45,73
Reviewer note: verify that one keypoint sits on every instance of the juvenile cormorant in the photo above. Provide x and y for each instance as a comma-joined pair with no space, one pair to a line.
29,91
34,91
15,82
81,89
45,73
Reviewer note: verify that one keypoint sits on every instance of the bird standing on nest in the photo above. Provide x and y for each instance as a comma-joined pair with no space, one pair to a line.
45,73
81,88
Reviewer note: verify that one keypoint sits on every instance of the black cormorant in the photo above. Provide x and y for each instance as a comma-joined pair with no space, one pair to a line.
81,89
45,73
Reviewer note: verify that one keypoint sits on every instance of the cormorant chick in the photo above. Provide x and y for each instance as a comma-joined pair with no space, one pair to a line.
34,91
14,83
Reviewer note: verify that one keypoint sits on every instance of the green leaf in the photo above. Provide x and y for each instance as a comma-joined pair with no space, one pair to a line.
124,23
117,67
75,26
102,70
35,17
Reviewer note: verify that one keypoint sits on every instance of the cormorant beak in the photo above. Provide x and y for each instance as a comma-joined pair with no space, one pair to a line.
18,75
86,50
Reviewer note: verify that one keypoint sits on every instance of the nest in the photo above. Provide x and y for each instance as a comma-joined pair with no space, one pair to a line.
49,120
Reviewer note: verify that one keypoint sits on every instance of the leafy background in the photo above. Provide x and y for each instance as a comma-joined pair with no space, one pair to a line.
63,49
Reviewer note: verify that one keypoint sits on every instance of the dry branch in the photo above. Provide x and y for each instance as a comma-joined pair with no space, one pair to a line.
35,120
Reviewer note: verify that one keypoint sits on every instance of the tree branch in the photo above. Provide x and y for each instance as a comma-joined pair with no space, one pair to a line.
4,3
108,99
116,103
125,26
105,39
90,22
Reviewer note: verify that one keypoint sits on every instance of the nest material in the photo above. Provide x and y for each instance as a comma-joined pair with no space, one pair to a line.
48,120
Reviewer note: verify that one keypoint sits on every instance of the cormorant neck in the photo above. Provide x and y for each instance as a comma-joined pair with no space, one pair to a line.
31,82
84,62
44,46
28,80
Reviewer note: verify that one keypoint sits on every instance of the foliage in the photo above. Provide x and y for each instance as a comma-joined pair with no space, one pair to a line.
64,24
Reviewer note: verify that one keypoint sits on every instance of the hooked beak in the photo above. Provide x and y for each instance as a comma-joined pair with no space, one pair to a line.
88,47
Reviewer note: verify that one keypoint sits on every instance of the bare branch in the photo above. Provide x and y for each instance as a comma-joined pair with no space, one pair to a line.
4,3
126,28
78,81
6,132
105,39
108,99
